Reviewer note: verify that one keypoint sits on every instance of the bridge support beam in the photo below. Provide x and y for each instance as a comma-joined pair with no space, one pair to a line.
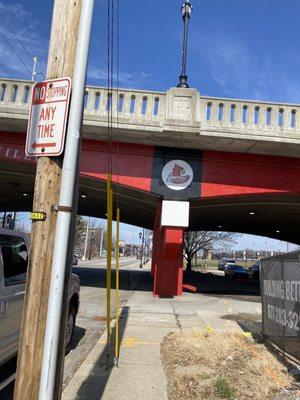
167,260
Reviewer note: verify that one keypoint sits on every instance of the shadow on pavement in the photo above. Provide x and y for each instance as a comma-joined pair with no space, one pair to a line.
129,280
78,335
94,385
209,283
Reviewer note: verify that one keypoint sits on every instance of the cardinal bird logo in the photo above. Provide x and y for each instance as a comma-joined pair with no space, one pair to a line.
178,175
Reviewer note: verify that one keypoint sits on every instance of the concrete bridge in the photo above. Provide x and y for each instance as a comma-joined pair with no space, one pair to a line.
178,118
235,161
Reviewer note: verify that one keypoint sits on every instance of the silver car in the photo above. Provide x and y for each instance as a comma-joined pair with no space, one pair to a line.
13,268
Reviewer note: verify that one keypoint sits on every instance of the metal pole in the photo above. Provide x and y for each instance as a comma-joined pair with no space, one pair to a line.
186,11
91,244
108,264
87,233
101,243
35,61
4,219
71,159
116,360
142,250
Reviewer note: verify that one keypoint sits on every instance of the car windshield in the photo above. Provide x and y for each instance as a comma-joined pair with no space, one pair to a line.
230,261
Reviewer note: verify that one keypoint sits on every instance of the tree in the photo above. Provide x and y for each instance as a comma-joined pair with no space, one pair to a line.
194,241
80,227
79,232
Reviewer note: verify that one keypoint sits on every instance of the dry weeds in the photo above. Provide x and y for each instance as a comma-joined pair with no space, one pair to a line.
198,363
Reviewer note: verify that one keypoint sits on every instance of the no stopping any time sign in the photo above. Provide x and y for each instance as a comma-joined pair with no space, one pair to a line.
48,117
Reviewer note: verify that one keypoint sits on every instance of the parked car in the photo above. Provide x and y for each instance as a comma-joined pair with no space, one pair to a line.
13,269
254,271
225,262
235,271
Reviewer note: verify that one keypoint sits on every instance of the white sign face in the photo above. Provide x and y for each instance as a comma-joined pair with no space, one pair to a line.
175,213
177,175
48,117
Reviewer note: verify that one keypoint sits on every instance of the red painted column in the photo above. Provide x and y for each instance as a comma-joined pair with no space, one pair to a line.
168,264
155,239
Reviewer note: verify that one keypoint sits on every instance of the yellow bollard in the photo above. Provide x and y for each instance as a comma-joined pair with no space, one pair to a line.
116,360
108,262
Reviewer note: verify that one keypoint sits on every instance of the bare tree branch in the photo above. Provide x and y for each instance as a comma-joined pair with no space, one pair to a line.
194,241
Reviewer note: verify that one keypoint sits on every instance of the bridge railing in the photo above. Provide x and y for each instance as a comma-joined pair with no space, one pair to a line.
252,115
144,107
129,104
125,103
16,92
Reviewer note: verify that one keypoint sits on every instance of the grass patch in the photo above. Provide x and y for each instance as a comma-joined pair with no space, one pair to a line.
224,389
202,365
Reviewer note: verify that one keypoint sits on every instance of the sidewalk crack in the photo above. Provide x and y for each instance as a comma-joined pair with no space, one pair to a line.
176,317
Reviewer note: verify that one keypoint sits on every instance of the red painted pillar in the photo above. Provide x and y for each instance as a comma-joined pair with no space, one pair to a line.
168,263
155,239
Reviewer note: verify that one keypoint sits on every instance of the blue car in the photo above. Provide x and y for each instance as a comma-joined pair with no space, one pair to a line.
235,271
254,271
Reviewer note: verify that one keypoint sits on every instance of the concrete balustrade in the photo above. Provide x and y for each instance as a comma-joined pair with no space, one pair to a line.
99,100
178,117
290,114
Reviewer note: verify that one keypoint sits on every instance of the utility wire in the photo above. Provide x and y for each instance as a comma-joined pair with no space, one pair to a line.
41,72
15,35
117,94
11,47
18,40
4,67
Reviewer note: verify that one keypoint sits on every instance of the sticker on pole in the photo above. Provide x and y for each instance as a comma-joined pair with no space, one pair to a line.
48,117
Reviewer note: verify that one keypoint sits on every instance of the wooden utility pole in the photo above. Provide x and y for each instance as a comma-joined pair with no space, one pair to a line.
61,58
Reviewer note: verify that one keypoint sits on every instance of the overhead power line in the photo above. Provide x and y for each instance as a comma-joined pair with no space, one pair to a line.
17,55
4,67
20,43
15,35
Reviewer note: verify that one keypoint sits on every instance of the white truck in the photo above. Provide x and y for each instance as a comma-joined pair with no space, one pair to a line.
13,269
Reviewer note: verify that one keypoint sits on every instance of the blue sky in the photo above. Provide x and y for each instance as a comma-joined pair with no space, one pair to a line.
244,49
237,48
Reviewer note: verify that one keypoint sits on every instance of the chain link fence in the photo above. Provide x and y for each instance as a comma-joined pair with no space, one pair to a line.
280,292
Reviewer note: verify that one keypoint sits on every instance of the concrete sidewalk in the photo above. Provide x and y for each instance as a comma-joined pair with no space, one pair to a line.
144,322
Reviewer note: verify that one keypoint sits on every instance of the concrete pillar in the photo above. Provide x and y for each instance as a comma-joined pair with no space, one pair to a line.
167,259
168,267
154,238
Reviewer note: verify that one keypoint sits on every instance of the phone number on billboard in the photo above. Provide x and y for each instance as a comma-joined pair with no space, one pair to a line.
288,319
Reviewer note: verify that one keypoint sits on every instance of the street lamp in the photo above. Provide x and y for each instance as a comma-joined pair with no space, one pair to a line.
186,11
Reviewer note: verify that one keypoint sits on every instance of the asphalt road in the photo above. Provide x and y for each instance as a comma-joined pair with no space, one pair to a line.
90,322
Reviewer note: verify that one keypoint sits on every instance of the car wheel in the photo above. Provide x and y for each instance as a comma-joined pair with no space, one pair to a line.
70,328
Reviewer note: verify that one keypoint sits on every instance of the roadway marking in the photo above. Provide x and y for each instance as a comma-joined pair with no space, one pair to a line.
131,342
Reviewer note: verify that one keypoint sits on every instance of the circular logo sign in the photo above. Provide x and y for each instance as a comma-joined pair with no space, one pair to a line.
177,174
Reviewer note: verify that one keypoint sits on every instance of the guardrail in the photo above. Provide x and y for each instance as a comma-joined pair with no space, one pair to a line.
209,112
